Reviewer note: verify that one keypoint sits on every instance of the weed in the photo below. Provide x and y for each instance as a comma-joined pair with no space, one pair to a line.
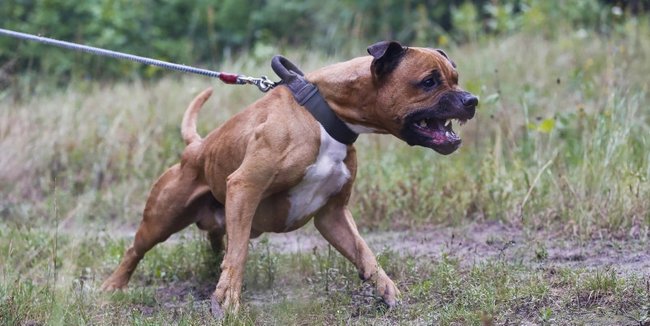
541,253
262,266
546,315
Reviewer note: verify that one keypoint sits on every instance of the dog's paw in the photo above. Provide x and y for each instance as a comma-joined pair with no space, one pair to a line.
111,285
215,307
386,289
223,302
114,283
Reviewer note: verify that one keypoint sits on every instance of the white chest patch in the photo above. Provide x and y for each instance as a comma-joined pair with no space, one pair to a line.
322,179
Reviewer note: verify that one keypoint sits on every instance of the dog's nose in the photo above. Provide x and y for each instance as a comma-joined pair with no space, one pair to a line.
470,101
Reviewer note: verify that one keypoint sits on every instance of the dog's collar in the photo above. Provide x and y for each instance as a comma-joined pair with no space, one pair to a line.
308,96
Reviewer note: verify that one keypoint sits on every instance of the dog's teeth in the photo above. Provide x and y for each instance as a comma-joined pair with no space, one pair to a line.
448,124
422,123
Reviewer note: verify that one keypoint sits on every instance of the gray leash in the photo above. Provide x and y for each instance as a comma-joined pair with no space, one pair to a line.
263,83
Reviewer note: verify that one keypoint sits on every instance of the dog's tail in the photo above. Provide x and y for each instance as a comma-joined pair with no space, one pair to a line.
188,126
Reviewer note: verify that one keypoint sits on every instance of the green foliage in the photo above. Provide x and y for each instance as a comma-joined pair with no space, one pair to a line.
144,28
466,21
206,32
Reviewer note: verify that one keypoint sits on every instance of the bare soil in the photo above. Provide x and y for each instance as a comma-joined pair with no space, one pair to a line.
479,242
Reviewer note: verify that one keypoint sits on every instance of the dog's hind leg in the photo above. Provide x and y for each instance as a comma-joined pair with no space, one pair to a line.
337,226
174,203
216,239
211,218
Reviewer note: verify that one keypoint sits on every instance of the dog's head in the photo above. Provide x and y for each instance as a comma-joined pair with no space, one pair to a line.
418,95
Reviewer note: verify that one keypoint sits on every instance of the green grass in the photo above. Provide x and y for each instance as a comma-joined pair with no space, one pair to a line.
560,145
174,282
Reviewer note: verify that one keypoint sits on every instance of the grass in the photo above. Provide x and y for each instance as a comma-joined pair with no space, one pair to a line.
317,286
560,147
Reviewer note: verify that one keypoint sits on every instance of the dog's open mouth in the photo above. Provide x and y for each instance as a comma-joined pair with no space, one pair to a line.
439,133
430,129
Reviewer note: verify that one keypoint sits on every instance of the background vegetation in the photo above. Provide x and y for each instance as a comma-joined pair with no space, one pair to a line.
559,153
210,32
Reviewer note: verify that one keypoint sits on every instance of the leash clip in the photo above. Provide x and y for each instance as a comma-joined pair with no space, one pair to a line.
263,82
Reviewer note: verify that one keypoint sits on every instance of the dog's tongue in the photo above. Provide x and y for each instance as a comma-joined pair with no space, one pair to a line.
439,137
442,134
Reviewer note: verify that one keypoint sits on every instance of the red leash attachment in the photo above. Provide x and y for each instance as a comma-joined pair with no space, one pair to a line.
229,78
263,83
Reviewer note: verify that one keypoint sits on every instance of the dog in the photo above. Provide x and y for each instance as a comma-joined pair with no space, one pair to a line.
273,167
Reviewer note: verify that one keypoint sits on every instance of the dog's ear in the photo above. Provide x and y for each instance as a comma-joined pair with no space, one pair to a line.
386,56
453,64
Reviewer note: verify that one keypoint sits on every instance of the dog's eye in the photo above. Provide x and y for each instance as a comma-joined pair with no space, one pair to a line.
429,82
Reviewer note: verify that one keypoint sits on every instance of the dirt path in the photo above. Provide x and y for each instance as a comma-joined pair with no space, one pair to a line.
491,241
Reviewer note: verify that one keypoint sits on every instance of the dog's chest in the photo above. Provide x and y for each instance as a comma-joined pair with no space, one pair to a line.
322,179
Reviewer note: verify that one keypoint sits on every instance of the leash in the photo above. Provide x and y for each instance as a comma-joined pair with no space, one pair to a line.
263,83
304,92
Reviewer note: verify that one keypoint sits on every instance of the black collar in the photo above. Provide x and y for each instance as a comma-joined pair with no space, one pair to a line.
307,95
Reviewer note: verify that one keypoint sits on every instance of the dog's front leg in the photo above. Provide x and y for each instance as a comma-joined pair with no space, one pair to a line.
338,227
243,195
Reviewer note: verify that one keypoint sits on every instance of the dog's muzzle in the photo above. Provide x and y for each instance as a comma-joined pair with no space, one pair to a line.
432,127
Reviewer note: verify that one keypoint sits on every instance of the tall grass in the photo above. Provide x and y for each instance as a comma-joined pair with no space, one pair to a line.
560,140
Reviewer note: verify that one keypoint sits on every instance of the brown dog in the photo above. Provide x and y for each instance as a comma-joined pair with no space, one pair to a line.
273,166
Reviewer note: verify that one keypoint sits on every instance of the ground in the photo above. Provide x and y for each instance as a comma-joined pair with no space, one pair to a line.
488,241
480,273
